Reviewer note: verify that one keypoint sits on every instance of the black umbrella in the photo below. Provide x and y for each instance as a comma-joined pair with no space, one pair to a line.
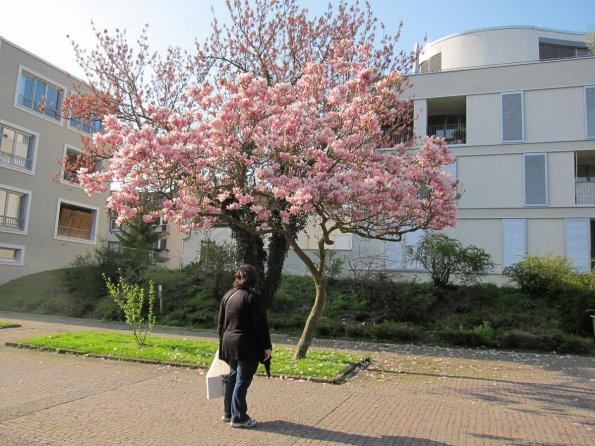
267,366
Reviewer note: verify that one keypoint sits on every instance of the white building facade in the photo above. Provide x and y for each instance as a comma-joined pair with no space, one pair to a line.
517,108
44,223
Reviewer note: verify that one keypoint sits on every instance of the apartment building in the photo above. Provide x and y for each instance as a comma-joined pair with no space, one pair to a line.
517,108
44,223
516,105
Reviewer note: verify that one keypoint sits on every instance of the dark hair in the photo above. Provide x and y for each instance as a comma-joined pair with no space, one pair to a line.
245,277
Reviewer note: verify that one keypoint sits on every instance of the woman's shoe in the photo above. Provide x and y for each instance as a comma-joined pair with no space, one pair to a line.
250,422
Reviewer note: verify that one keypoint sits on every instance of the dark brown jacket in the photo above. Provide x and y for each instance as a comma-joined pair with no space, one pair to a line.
243,326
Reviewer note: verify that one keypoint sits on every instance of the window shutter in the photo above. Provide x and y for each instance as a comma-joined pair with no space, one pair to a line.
535,169
343,242
394,254
411,241
512,117
577,242
514,240
451,169
590,111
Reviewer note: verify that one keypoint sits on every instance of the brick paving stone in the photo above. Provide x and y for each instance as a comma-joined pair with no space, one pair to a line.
408,396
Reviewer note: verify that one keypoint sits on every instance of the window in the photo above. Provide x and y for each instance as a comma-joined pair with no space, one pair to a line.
113,246
11,254
395,253
578,243
450,127
558,49
16,148
590,111
89,126
512,117
535,171
343,242
432,65
13,209
39,95
514,240
113,226
74,158
76,221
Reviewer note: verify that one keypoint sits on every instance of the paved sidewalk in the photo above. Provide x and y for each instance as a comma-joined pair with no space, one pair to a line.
408,396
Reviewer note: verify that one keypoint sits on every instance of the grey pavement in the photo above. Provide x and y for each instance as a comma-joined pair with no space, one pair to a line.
408,396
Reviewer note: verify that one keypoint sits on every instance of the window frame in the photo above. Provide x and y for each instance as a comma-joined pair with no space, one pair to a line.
508,256
47,81
545,179
80,129
589,117
522,96
25,209
94,226
72,148
342,239
33,147
20,258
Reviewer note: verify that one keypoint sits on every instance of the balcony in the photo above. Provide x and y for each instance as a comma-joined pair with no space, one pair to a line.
8,222
585,193
452,133
15,160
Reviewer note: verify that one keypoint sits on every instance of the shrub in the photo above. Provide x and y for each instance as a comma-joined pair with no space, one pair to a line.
216,267
396,331
131,299
482,335
539,275
577,296
444,257
518,339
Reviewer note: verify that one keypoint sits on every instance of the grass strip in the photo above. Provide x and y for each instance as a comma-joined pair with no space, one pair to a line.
4,324
320,365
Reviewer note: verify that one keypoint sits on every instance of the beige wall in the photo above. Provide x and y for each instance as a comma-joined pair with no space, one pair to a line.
43,250
493,46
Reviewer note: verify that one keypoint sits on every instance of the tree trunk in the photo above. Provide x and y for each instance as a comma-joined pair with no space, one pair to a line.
313,318
278,247
250,250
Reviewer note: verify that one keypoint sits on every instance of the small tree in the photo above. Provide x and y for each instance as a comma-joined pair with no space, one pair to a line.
131,299
444,257
591,42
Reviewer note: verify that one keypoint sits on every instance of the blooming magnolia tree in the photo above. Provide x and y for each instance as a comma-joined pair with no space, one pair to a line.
316,150
270,39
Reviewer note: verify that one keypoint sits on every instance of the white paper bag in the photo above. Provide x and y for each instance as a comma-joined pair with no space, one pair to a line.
217,377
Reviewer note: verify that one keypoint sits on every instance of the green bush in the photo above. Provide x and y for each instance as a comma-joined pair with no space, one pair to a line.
482,335
572,344
519,339
446,258
539,275
397,331
577,296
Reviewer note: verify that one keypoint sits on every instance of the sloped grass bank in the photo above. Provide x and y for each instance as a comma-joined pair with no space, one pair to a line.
320,365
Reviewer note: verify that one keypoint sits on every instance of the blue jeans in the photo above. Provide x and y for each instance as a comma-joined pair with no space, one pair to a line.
240,378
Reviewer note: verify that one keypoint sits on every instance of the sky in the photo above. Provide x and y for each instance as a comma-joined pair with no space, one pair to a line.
41,26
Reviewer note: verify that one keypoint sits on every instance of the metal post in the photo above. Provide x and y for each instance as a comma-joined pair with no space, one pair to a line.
159,296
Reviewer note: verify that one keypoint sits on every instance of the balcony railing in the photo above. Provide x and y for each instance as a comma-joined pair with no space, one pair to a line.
80,233
452,133
15,160
585,193
11,222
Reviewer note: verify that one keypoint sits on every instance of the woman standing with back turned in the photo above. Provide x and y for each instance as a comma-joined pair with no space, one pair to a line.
244,341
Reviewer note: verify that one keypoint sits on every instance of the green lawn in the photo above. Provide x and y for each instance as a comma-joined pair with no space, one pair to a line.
4,324
320,364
